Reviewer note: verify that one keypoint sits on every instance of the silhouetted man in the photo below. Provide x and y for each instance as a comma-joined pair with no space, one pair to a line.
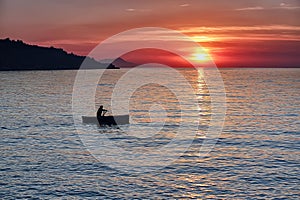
100,111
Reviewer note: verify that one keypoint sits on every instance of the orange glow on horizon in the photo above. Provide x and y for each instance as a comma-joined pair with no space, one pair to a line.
143,56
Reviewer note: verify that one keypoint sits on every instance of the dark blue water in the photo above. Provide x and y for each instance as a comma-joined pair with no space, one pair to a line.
256,157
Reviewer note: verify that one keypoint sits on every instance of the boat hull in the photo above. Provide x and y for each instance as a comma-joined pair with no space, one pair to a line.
106,120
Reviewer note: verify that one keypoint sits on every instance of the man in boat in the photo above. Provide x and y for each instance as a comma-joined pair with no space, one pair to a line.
101,112
110,120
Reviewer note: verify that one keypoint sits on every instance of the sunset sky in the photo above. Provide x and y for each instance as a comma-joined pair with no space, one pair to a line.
235,33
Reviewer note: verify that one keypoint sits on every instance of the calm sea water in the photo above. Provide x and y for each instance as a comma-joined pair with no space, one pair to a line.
257,155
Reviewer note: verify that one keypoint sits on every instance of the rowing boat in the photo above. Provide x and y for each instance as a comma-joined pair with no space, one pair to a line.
106,120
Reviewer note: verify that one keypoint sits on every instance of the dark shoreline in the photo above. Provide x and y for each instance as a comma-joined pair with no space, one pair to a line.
16,55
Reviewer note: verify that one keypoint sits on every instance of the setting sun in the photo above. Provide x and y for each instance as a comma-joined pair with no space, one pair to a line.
201,55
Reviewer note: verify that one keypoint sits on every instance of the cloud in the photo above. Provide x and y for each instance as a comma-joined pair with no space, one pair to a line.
138,10
184,5
281,6
229,33
243,28
287,6
250,8
130,9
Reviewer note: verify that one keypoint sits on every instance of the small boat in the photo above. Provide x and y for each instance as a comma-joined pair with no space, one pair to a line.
106,120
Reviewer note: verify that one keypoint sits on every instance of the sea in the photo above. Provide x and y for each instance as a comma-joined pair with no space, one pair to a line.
47,153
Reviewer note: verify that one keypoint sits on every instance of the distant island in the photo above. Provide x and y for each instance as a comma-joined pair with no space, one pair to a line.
120,62
17,55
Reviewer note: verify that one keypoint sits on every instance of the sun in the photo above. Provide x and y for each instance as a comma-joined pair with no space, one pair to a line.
201,55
